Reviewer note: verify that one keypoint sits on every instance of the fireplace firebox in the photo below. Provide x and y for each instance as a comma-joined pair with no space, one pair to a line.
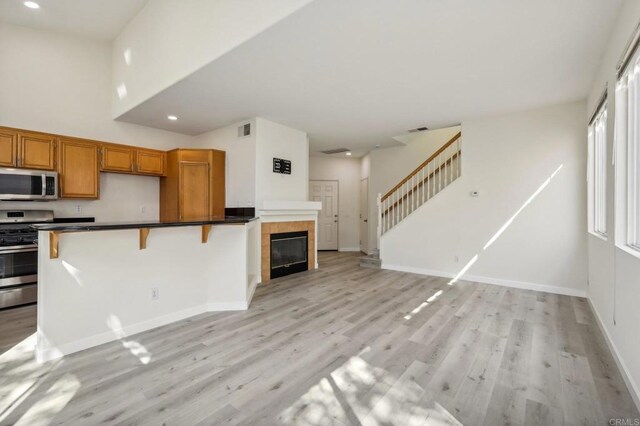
289,253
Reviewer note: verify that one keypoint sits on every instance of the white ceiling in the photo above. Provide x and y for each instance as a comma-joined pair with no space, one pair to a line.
101,19
356,73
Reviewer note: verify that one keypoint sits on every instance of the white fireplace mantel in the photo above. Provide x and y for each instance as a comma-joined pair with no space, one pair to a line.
289,207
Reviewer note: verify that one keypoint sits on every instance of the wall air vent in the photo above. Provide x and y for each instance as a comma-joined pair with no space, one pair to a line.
335,151
418,129
244,130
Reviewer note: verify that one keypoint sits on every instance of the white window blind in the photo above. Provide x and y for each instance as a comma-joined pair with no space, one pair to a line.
598,172
627,142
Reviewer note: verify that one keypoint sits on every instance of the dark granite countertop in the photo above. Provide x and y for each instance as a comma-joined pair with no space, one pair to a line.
103,226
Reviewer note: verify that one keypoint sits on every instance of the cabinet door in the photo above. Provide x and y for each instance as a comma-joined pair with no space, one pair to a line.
151,162
116,158
194,191
37,151
8,147
78,169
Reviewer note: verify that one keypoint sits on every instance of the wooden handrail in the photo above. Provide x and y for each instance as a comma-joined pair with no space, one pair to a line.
422,182
413,173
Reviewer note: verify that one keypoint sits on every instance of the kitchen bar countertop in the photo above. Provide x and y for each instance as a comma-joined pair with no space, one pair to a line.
104,226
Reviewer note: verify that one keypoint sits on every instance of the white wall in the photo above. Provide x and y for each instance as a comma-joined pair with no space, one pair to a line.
389,166
539,240
60,84
169,40
274,140
347,172
614,275
240,161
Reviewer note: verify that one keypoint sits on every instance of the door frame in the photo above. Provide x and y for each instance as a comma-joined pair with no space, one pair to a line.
366,208
337,208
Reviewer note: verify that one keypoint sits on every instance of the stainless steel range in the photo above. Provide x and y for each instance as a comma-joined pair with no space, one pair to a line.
19,255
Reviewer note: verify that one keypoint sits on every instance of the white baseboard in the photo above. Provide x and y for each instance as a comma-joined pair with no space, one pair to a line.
349,249
45,351
488,280
628,380
227,306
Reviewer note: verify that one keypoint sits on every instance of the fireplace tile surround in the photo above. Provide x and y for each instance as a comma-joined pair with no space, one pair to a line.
269,228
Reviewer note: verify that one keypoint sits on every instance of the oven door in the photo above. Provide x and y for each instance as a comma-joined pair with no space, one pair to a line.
18,265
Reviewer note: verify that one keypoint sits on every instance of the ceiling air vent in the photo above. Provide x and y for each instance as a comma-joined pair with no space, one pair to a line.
244,130
418,129
335,151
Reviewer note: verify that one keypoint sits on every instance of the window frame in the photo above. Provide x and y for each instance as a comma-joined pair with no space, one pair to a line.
627,158
633,174
597,172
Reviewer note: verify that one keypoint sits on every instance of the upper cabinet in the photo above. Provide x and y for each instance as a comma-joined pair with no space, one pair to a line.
28,150
151,162
36,151
80,161
78,170
130,159
8,147
116,158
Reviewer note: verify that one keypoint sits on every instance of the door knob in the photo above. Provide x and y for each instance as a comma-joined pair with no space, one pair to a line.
366,220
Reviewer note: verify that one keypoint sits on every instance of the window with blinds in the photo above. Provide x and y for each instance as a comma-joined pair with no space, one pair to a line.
597,169
627,159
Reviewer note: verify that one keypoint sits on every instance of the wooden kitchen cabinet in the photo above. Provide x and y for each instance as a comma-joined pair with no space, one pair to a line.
36,151
194,186
151,162
28,150
8,147
116,158
79,173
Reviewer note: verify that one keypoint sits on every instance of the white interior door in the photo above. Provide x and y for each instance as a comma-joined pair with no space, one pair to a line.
326,191
364,215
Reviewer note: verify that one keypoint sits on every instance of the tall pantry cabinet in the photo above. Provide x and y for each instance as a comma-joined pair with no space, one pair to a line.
194,186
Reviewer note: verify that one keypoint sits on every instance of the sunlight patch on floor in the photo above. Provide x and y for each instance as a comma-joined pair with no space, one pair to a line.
360,393
52,402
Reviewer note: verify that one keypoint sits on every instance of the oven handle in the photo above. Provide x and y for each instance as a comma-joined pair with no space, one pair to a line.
18,249
44,185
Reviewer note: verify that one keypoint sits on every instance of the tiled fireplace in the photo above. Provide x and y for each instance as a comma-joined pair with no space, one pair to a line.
285,225
278,238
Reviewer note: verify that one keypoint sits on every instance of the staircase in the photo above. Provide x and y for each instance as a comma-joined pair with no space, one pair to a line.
422,184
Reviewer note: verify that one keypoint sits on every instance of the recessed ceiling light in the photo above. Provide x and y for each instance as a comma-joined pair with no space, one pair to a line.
32,5
348,153
172,117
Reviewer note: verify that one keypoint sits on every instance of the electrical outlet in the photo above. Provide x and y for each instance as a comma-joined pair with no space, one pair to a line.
143,209
155,293
78,208
456,259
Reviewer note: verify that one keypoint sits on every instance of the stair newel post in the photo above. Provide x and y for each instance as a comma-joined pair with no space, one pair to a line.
379,202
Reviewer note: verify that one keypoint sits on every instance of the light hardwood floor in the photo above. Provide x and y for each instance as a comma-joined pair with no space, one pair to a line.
340,345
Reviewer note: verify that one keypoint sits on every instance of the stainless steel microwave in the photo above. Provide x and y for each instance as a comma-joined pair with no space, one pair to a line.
18,184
